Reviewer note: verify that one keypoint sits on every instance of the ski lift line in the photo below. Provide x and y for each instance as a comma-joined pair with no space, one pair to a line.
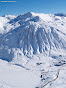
8,1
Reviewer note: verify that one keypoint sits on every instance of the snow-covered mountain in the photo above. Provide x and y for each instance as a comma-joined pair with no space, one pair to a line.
34,44
31,33
61,14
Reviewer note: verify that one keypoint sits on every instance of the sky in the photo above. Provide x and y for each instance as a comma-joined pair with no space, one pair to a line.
37,6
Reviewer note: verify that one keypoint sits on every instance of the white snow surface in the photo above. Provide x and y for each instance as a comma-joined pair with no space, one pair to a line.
31,45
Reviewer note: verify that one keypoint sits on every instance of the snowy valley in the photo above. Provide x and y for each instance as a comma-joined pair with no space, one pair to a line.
33,51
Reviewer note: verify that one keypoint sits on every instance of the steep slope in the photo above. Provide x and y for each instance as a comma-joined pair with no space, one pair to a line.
32,33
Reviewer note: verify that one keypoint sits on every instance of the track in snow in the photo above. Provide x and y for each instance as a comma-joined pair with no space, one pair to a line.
53,79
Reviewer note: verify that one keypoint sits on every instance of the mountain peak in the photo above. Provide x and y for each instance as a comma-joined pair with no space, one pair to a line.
61,14
30,13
